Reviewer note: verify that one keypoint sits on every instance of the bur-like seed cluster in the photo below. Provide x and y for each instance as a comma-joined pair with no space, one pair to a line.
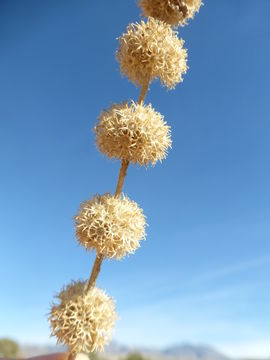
113,226
150,50
133,132
83,320
174,12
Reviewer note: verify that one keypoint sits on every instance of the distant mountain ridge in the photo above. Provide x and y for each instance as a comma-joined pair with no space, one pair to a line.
115,350
195,352
179,352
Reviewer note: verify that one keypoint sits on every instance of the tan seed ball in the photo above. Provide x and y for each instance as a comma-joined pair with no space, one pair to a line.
173,12
133,132
150,50
82,320
112,226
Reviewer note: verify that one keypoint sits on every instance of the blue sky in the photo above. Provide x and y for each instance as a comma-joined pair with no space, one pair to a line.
202,276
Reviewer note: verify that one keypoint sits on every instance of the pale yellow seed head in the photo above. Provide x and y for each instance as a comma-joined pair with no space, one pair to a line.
173,12
113,226
152,50
82,320
133,132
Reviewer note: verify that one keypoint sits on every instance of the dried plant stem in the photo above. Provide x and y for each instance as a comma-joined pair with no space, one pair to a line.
121,177
95,271
144,90
119,187
125,163
99,257
72,356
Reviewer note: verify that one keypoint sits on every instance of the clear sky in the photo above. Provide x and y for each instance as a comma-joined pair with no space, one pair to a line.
203,274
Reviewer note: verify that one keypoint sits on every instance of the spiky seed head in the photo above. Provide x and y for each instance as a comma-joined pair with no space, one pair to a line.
113,226
133,132
82,320
173,12
150,50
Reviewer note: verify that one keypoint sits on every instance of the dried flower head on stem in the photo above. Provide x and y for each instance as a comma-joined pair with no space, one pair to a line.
173,12
152,50
133,132
113,226
83,320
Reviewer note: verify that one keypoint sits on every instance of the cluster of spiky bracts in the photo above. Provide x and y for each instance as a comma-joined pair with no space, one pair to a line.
83,316
133,132
110,225
83,319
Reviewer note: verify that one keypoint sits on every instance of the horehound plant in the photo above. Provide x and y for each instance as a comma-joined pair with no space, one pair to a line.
83,317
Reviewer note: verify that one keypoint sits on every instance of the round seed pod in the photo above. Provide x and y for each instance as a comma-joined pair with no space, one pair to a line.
82,320
150,50
133,132
173,12
113,226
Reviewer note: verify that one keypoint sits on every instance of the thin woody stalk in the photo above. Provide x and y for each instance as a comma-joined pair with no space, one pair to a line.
99,257
121,177
134,133
95,271
119,187
71,356
144,89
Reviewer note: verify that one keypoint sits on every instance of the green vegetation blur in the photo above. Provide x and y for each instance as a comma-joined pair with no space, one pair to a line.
9,348
130,356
